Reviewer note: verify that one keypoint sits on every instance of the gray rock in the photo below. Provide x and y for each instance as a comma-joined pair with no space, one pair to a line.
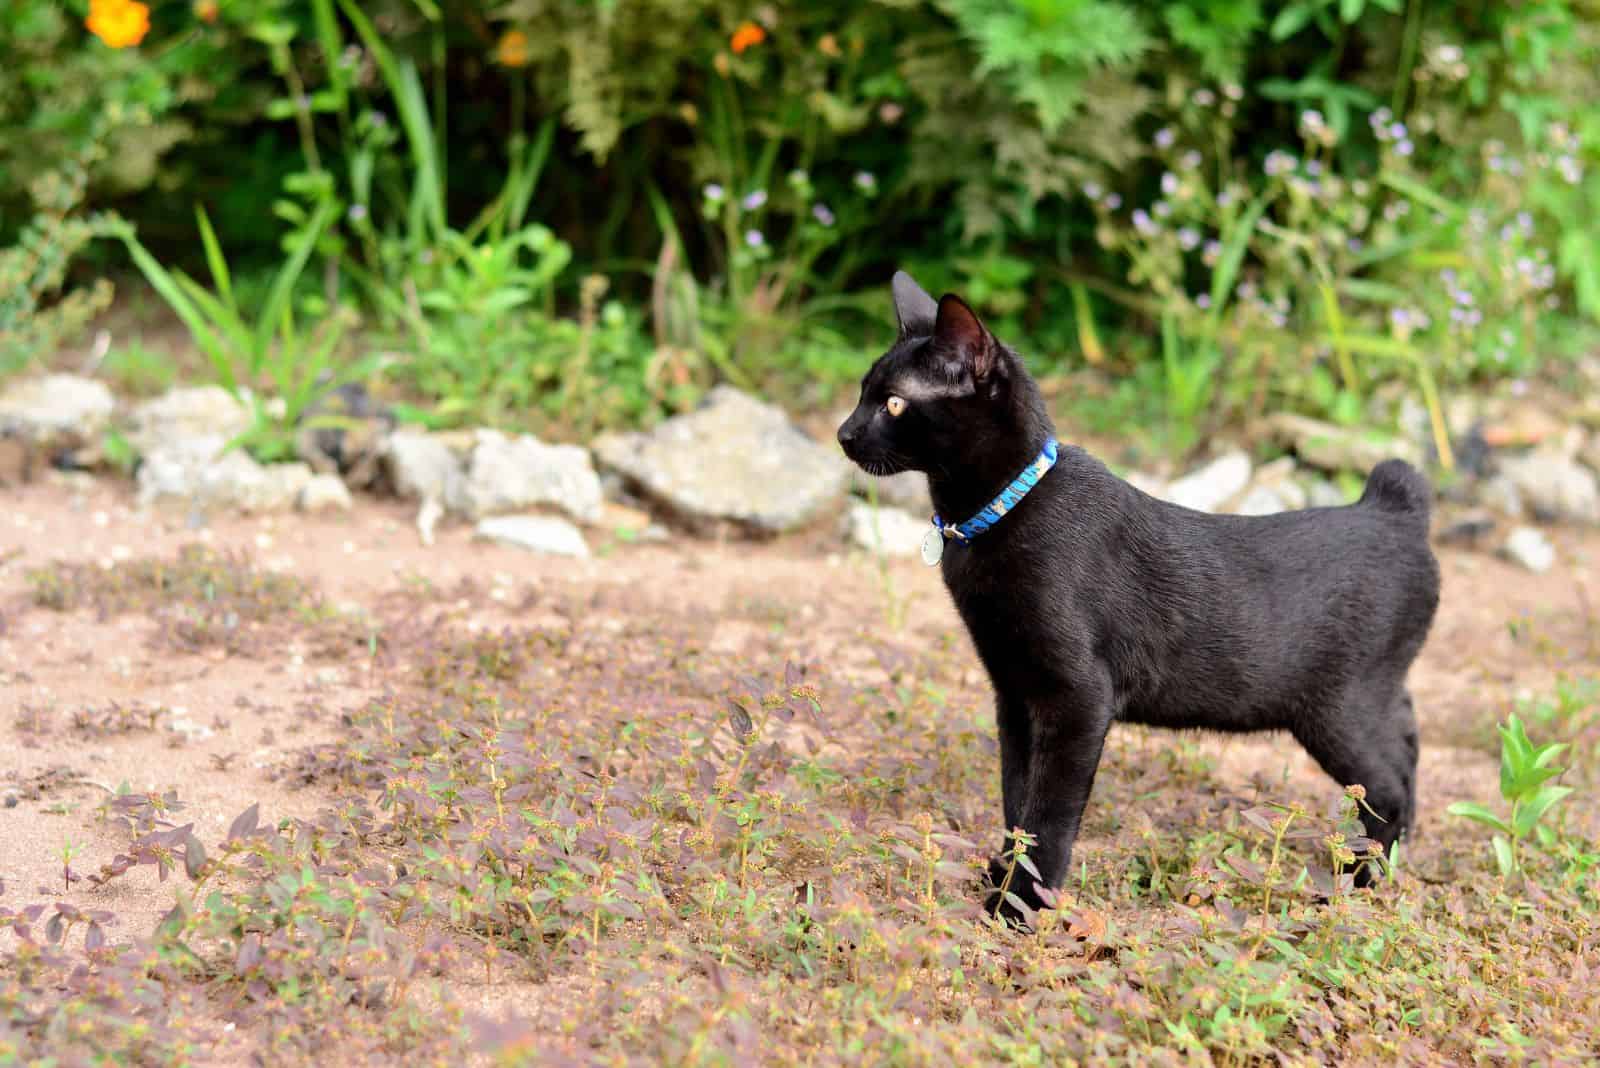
195,473
1589,454
423,467
514,474
1320,493
889,531
733,460
325,493
1272,490
1337,448
1469,529
1501,495
539,533
1208,488
58,410
189,412
1147,483
1263,500
1554,486
908,490
1529,547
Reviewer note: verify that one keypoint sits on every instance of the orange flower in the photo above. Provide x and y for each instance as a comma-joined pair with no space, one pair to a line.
512,51
119,23
206,10
748,35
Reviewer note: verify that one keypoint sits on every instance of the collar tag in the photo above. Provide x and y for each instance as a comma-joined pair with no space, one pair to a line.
932,547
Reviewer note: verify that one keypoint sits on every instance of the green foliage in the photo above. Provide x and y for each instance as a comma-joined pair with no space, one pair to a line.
1044,51
1001,148
36,315
1525,774
301,368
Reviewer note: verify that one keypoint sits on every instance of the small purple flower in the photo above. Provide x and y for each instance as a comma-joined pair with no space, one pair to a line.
1162,209
1354,244
1403,147
866,181
1397,131
1188,238
1203,301
1204,97
1190,160
1142,222
1278,162
821,213
754,199
1224,198
1525,223
1092,190
1165,137
1211,253
1169,184
1113,201
754,238
714,192
1519,387
1314,167
1570,169
357,212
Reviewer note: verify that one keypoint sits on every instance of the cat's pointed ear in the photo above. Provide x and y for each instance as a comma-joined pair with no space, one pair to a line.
914,310
961,335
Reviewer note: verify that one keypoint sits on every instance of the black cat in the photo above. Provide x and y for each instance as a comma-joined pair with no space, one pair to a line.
1090,602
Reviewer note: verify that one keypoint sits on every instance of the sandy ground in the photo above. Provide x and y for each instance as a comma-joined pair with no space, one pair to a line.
224,723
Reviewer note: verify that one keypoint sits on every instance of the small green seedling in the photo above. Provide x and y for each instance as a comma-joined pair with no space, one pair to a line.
1525,772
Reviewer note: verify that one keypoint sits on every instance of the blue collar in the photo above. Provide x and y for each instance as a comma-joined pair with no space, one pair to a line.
1007,500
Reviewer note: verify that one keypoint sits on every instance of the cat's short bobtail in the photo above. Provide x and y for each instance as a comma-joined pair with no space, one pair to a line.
1090,602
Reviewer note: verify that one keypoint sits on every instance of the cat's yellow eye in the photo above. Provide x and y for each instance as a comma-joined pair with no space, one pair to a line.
895,405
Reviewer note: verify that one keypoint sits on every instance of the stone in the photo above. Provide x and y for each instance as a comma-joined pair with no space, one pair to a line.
733,460
1554,486
1337,448
515,474
1320,493
907,490
196,473
1208,488
56,411
538,533
1263,500
1147,483
187,412
1500,494
423,467
1468,529
325,493
1529,547
1524,425
890,531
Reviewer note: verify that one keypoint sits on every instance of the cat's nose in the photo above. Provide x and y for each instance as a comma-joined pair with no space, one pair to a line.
849,430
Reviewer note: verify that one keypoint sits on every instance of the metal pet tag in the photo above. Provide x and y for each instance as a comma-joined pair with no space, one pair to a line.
932,547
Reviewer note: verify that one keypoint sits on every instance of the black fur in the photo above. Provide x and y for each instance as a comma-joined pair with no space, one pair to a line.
1092,602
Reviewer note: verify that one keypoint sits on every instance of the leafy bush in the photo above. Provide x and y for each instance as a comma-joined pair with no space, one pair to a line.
738,174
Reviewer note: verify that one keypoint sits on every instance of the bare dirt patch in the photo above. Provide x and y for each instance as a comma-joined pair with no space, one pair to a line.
513,787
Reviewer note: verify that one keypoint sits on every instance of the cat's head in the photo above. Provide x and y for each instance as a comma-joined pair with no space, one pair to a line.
944,392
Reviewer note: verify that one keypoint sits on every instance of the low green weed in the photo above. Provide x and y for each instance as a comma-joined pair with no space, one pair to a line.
1525,774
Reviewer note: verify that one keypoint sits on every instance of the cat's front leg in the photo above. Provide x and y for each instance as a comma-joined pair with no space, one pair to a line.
1068,732
1016,742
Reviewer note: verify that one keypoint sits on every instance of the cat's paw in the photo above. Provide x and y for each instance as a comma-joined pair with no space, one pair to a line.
1022,897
